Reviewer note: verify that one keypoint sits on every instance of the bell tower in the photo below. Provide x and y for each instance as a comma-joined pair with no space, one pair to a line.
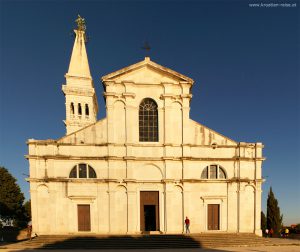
81,100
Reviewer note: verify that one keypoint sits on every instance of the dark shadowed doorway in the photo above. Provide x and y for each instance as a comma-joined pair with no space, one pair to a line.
149,211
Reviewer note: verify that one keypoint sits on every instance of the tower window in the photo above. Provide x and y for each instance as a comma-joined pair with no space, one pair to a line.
148,121
87,111
79,109
72,108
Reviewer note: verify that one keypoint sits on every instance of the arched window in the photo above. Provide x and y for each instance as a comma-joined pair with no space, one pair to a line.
72,108
82,171
148,121
213,172
79,109
87,112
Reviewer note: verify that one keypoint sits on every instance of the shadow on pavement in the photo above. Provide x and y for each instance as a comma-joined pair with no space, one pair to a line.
110,243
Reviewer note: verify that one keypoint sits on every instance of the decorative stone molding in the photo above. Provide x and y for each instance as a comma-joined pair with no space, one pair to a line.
188,96
168,158
56,142
168,180
84,198
78,77
111,94
78,91
165,96
65,157
214,197
129,95
129,158
129,180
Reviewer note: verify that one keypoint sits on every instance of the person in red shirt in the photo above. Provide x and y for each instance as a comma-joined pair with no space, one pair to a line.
271,232
187,225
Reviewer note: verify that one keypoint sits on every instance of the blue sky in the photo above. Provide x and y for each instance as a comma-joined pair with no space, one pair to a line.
244,61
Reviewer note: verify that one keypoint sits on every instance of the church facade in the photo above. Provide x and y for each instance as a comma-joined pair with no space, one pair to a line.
145,166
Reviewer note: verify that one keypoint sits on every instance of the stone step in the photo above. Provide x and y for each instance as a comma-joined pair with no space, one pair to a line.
156,241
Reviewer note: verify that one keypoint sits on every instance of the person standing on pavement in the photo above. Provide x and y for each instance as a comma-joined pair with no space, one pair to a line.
271,232
187,225
29,229
286,231
267,232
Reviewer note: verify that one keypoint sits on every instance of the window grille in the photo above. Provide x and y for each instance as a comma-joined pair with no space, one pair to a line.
213,172
82,171
148,121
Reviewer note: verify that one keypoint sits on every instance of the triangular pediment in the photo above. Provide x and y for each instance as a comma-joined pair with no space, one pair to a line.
147,72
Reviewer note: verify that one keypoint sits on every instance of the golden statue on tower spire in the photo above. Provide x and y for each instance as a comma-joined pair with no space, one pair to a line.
80,23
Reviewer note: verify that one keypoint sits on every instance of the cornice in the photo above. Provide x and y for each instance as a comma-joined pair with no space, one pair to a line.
79,122
175,97
133,158
213,197
148,63
78,91
128,180
111,94
78,77
119,95
54,142
128,94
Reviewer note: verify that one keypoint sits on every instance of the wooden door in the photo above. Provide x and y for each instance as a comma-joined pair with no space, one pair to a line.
149,211
213,216
84,218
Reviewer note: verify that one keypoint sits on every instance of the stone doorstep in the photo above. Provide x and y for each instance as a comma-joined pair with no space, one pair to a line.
151,233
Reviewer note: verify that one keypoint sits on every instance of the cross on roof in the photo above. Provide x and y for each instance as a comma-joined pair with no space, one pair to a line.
146,47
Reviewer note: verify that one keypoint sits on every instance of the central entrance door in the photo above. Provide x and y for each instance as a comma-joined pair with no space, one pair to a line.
84,218
149,211
213,216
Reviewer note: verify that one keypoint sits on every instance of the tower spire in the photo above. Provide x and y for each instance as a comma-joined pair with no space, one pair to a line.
81,100
79,64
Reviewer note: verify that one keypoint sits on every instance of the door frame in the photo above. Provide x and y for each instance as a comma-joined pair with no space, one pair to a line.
143,202
213,210
222,202
89,214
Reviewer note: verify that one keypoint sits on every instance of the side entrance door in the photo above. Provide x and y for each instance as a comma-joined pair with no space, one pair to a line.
213,216
149,211
84,218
